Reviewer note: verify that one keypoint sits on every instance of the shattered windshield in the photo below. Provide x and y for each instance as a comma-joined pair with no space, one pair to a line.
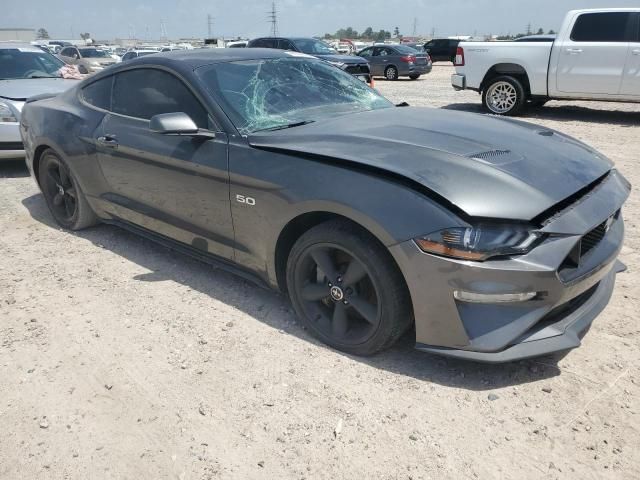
274,93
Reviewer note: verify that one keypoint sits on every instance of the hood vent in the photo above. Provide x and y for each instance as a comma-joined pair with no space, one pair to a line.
496,157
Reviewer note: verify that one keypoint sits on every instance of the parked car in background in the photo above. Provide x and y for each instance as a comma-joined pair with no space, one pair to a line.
131,54
595,56
87,59
536,38
416,46
395,61
356,66
442,49
498,240
25,71
238,44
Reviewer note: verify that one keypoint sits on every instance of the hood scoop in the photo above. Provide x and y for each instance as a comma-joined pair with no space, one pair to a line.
496,157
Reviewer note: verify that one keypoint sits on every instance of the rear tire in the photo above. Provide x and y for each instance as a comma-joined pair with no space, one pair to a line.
63,195
414,77
391,73
370,308
504,95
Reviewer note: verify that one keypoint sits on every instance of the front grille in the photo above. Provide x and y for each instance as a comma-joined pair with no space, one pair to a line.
593,238
357,69
11,146
588,242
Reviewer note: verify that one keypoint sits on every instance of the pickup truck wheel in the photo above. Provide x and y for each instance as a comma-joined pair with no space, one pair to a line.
504,96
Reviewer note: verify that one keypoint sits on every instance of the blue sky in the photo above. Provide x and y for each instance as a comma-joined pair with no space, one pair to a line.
107,19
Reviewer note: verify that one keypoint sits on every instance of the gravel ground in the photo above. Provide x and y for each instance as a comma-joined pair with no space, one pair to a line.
120,359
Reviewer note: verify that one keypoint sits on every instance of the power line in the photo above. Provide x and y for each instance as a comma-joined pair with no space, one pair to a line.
273,19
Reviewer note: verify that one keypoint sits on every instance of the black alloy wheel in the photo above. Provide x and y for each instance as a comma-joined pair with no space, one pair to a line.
64,198
337,294
347,290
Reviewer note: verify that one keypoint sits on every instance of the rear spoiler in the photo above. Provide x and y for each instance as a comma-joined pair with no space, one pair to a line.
42,96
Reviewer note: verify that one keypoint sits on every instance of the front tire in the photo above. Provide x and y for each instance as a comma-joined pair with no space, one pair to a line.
504,95
391,73
346,289
63,195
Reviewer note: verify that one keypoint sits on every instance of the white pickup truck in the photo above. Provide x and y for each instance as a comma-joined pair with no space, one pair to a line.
595,56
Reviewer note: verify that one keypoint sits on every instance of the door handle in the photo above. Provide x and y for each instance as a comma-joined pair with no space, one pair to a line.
574,51
108,141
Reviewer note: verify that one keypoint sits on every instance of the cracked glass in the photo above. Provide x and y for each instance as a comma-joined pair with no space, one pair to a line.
284,92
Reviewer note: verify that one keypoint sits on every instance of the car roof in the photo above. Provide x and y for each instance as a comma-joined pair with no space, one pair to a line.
16,45
185,61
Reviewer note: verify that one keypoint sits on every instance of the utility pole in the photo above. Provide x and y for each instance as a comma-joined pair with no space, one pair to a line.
210,25
273,19
415,26
433,33
528,28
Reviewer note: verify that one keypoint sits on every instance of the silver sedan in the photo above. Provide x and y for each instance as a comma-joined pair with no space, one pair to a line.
25,71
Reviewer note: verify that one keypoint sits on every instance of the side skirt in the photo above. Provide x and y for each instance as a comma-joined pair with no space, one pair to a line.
190,251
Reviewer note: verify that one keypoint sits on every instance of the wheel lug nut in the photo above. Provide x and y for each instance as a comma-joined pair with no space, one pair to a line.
339,279
330,285
345,302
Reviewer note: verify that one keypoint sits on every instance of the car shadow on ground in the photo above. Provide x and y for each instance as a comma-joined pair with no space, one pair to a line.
401,359
564,113
13,169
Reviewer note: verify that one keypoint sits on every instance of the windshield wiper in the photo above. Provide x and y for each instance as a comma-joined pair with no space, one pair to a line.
43,76
285,126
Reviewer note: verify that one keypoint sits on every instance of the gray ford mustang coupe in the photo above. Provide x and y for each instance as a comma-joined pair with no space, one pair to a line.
497,239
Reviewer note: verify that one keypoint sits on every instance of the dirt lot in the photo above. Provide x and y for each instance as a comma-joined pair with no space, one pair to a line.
120,359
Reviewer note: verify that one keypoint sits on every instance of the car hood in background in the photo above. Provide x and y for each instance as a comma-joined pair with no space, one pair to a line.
21,89
342,58
487,166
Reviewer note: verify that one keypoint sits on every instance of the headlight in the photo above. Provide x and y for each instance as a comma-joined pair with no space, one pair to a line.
480,242
338,64
6,114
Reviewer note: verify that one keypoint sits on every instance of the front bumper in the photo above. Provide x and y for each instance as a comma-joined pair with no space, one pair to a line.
11,146
568,298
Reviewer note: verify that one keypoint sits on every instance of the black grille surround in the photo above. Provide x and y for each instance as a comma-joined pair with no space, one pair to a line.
11,146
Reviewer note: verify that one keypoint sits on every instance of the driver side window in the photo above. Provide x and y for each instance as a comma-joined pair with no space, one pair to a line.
145,92
366,53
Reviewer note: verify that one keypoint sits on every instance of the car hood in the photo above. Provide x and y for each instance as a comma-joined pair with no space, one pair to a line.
487,166
22,89
349,59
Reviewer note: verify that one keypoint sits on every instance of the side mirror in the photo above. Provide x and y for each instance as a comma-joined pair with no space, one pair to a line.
178,123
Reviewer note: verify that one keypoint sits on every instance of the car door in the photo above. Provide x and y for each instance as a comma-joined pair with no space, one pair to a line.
367,54
592,57
176,186
631,80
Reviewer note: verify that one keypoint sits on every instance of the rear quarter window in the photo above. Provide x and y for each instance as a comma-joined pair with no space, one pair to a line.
98,93
601,27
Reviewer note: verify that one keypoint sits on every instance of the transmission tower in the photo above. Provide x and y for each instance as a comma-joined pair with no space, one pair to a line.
273,19
210,25
163,31
415,26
